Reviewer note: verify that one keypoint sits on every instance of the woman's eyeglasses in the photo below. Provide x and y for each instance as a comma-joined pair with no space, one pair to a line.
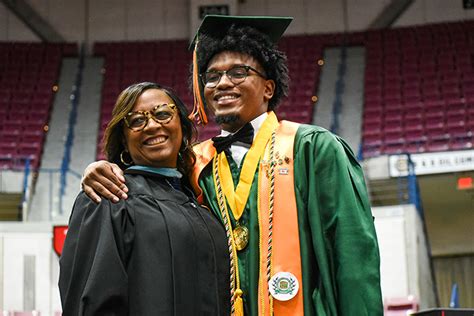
236,75
138,120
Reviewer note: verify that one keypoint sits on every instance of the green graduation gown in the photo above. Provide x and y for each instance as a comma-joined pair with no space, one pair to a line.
339,251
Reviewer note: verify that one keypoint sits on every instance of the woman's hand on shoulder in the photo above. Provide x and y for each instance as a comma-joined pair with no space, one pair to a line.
104,179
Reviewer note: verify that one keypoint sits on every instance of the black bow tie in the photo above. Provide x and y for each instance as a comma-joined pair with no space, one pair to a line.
243,135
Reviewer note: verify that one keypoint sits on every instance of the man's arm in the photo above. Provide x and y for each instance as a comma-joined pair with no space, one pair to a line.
102,178
335,202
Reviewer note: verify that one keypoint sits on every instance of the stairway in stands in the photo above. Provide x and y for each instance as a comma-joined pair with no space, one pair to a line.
45,197
322,115
84,146
48,202
341,93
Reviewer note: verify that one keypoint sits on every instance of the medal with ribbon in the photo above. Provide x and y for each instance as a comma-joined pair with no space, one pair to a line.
237,197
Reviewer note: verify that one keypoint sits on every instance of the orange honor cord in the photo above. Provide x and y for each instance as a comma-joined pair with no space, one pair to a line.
198,113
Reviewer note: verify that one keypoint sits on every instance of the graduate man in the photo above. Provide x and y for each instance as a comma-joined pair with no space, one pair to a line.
291,197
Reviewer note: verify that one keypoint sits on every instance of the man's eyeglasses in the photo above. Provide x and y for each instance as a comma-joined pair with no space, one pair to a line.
138,120
236,75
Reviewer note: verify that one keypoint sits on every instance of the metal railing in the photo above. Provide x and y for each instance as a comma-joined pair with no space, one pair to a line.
75,95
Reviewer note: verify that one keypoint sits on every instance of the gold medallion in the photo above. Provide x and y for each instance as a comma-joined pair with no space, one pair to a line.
241,237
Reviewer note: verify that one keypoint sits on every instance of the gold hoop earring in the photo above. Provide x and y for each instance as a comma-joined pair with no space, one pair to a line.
123,160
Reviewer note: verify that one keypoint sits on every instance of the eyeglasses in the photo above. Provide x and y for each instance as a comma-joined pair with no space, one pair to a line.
236,75
138,120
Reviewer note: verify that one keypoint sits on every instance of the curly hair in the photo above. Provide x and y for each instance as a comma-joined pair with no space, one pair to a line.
113,136
250,41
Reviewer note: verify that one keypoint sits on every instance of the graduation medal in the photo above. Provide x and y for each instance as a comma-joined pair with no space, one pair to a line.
241,237
237,197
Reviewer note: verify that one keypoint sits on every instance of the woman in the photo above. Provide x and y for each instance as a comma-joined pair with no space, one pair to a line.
157,253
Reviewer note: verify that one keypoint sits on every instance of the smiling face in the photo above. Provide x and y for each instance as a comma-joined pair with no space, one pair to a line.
242,102
156,145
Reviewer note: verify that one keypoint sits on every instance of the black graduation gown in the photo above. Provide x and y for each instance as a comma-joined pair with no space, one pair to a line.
157,253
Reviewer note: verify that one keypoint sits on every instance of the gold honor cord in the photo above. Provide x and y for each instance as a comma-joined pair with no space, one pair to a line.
236,302
238,198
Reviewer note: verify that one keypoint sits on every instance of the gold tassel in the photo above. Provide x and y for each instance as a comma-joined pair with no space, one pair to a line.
238,303
198,113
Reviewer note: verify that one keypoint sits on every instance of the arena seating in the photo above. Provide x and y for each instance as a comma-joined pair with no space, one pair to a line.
303,53
419,89
419,82
419,86
28,73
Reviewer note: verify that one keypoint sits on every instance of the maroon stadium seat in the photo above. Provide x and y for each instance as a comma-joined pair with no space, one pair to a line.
28,74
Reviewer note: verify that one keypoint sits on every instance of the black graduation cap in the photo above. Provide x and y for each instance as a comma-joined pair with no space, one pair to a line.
217,26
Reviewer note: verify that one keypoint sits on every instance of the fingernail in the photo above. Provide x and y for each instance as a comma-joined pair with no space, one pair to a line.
98,200
115,199
124,189
124,196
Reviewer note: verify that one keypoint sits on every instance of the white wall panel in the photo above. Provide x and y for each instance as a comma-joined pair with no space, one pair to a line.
16,246
18,240
415,14
18,31
177,19
194,14
434,11
392,242
294,8
115,20
324,16
361,13
252,8
282,7
55,296
12,29
300,26
3,22
41,7
404,260
67,17
310,16
107,20
145,19
442,10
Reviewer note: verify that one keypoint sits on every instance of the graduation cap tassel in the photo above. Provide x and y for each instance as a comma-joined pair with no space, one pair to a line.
198,113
